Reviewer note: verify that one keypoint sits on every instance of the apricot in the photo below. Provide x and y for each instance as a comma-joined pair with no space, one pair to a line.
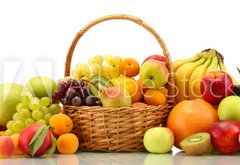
67,143
17,150
61,124
155,97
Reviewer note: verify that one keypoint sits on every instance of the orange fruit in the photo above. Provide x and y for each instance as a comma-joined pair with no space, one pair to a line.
155,97
61,124
17,150
189,117
67,143
129,67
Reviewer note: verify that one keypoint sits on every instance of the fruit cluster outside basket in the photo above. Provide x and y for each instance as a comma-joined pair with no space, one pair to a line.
117,129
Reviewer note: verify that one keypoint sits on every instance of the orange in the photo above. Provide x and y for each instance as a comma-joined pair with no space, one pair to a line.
155,97
129,67
67,143
17,150
189,117
61,124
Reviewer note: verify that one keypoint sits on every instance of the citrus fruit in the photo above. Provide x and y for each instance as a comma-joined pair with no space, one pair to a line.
189,117
155,97
129,67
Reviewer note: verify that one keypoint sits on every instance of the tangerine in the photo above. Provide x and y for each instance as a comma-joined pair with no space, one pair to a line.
61,124
129,67
67,143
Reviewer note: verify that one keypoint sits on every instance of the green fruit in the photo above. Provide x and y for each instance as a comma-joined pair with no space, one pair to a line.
10,96
99,82
229,108
158,140
197,144
41,86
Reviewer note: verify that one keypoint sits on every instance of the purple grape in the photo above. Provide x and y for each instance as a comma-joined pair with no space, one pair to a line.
76,101
72,83
71,93
62,87
81,83
65,101
91,100
98,102
56,96
85,91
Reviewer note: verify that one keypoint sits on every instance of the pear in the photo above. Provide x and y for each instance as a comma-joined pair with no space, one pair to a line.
115,97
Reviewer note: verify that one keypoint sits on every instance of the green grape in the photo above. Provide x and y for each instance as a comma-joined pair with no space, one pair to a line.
10,124
47,117
44,110
29,121
18,125
15,116
54,109
24,114
8,132
41,121
37,114
20,106
26,100
97,69
35,104
45,101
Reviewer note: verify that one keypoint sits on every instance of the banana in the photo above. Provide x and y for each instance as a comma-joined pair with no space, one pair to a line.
182,76
196,77
223,68
176,64
214,65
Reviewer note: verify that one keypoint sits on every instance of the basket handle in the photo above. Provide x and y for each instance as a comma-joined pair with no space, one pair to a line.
171,87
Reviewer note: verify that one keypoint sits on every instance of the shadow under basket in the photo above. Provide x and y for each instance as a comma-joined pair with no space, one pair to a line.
117,129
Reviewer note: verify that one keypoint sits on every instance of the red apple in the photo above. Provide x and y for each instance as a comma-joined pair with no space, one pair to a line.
26,136
215,86
155,57
225,136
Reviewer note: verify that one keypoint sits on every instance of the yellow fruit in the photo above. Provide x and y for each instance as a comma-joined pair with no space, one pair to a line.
61,124
67,143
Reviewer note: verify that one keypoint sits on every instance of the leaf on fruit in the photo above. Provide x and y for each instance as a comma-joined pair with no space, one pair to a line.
38,139
53,148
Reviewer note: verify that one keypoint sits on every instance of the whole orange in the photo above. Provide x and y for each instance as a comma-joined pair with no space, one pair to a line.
61,124
129,67
189,117
155,97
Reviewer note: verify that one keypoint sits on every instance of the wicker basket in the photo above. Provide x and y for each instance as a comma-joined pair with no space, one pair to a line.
117,129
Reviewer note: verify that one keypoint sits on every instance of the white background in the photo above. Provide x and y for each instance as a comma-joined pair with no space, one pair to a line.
35,35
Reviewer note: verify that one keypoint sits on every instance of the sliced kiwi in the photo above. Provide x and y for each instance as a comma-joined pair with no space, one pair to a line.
197,144
97,82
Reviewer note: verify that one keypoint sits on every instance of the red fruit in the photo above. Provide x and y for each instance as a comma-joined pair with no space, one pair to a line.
225,136
155,57
26,136
6,146
215,86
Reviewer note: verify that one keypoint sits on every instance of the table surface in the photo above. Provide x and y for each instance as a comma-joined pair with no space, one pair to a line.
136,158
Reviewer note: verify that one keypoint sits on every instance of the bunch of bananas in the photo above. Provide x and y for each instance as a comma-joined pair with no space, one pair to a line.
189,73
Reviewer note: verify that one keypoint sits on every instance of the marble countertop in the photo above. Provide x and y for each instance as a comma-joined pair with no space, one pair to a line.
136,158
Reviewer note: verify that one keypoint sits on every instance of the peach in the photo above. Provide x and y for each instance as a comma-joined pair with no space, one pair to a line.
17,150
6,146
138,105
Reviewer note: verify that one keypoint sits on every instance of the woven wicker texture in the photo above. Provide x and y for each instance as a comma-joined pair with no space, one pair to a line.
117,129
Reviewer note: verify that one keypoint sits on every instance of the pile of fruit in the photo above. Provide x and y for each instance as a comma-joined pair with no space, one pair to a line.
206,118
109,82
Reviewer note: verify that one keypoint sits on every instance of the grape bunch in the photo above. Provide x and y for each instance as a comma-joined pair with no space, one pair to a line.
75,92
30,111
96,66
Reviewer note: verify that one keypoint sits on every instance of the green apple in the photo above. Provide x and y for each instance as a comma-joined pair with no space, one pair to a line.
158,140
10,96
154,74
41,86
115,97
229,108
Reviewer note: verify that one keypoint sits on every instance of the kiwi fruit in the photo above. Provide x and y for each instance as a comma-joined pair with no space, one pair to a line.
197,144
97,82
